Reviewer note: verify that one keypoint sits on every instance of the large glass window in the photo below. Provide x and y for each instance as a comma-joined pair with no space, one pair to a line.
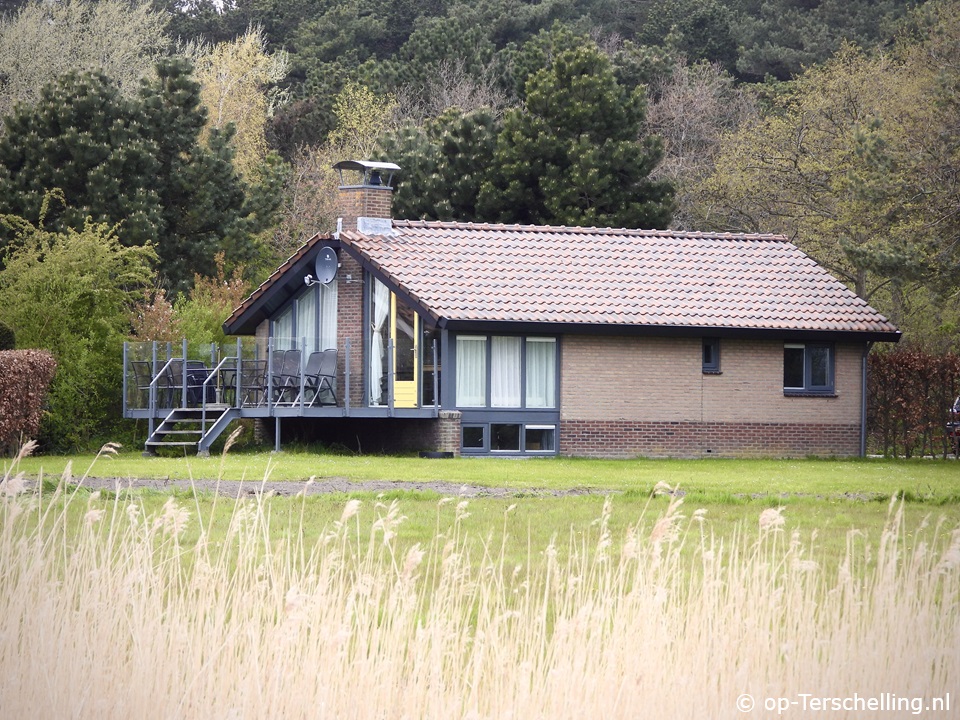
541,372
307,319
520,372
471,371
808,368
283,330
505,372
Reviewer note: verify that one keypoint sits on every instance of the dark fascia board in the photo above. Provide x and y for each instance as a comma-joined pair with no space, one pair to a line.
279,292
391,283
668,331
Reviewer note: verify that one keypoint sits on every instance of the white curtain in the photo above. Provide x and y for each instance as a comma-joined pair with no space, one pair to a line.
328,316
307,319
471,371
505,372
381,311
283,330
541,372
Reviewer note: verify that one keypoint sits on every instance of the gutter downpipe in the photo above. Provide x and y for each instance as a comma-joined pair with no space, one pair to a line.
863,399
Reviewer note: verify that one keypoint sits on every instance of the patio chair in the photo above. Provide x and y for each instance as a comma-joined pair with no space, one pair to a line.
319,377
142,376
286,380
253,382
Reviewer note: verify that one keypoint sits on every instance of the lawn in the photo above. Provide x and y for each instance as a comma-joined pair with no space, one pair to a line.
821,499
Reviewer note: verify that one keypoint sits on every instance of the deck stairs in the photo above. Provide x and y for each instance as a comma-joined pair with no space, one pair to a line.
187,428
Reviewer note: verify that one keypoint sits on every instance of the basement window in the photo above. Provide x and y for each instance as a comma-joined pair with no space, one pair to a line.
504,437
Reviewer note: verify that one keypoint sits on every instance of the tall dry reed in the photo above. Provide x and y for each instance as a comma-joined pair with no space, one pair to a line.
106,613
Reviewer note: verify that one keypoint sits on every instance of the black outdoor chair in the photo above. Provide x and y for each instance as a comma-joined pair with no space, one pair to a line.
253,382
286,379
319,378
142,376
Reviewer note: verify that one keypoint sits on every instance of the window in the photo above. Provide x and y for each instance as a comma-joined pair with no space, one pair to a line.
541,372
505,372
808,368
472,437
519,372
504,437
283,330
310,318
508,438
711,355
471,371
539,438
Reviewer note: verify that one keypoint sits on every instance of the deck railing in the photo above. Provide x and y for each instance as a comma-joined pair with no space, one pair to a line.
162,376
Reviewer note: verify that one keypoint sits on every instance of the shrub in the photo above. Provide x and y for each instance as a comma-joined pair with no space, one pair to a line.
25,376
909,395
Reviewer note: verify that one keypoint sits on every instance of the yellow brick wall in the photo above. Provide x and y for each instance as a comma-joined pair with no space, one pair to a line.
661,379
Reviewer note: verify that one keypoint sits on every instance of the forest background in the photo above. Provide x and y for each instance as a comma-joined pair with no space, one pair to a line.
158,160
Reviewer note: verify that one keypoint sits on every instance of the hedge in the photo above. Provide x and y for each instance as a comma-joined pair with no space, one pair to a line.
25,376
909,396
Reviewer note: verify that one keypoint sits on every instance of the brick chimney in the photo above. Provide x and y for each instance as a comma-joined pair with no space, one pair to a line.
366,205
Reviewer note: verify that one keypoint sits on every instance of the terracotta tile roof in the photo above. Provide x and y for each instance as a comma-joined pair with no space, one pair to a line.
481,272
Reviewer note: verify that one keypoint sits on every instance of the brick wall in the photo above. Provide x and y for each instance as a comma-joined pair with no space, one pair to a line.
623,396
350,325
363,201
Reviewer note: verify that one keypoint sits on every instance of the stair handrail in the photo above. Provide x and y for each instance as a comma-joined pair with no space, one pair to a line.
153,382
203,390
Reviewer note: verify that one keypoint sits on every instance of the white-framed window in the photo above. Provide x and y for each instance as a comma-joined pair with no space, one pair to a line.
808,368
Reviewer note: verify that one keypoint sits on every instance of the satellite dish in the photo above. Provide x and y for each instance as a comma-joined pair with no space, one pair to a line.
326,265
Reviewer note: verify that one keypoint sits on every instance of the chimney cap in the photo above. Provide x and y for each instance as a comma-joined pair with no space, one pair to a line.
369,171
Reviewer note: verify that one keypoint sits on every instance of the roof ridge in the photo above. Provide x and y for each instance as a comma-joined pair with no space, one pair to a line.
580,230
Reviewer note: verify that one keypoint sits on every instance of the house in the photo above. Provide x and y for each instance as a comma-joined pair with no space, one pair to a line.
484,339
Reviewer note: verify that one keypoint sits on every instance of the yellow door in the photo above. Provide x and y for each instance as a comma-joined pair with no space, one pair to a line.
404,331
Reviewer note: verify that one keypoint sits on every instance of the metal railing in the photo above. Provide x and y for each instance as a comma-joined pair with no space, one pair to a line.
159,361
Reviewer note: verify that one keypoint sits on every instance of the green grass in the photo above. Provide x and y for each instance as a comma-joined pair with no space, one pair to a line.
827,497
712,479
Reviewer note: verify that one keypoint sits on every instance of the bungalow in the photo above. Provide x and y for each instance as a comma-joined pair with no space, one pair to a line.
485,339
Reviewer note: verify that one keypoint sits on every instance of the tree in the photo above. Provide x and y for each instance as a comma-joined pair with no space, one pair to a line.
71,293
691,109
443,164
45,40
575,153
830,167
239,86
137,163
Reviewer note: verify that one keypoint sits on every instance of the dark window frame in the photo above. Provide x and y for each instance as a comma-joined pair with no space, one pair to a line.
809,388
711,347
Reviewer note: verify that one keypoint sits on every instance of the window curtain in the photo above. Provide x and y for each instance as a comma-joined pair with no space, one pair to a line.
381,311
307,320
471,371
541,372
283,330
328,316
505,372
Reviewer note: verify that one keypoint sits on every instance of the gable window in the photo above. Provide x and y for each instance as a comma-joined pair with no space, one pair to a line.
808,368
711,355
311,318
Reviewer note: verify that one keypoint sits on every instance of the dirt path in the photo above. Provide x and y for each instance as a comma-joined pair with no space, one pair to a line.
234,488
